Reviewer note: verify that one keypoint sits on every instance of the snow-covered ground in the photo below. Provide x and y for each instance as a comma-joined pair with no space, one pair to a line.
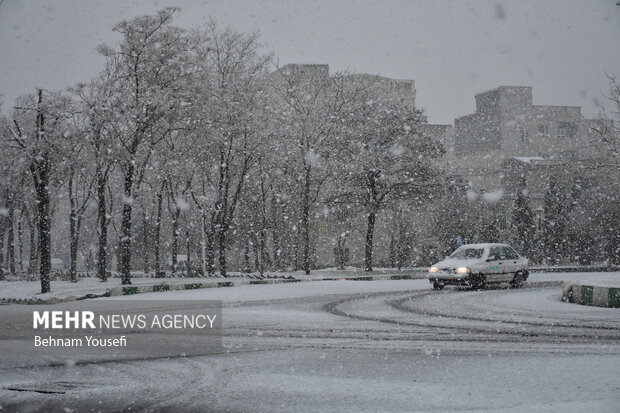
356,346
17,289
332,380
92,285
263,292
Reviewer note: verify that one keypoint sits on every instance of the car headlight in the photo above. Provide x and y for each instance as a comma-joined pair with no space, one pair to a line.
462,270
432,269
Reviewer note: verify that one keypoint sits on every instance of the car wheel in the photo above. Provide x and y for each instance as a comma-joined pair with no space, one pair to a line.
518,279
478,281
438,285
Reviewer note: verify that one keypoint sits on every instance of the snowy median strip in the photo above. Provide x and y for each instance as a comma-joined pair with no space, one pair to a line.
162,287
594,295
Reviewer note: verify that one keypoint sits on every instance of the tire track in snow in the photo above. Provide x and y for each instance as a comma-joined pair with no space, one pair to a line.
464,325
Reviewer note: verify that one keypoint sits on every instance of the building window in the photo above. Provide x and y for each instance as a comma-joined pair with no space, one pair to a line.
543,129
567,129
524,136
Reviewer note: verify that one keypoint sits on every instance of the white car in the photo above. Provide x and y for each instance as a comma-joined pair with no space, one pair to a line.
479,264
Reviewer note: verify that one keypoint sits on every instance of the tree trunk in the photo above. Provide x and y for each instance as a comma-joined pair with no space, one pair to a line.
297,246
210,247
158,230
175,239
73,245
20,240
401,247
341,258
40,170
43,207
374,202
392,251
203,245
305,222
102,217
263,231
275,234
73,242
258,259
246,257
125,244
369,240
263,251
145,237
34,257
11,237
2,248
188,251
74,250
221,237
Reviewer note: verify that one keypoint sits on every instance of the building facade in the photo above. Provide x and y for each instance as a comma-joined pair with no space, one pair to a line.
506,124
506,143
509,142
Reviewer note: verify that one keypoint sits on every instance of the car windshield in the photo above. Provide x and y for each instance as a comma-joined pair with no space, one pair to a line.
467,253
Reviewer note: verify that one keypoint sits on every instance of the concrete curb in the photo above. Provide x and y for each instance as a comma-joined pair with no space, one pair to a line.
594,295
161,287
578,268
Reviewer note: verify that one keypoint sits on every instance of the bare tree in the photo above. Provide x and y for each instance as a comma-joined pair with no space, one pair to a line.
309,109
40,149
232,95
389,159
80,188
147,72
97,100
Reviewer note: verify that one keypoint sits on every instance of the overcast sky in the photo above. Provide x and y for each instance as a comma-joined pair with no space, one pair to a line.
452,49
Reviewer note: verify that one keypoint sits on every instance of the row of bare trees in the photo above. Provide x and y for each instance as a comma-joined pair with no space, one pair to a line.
241,152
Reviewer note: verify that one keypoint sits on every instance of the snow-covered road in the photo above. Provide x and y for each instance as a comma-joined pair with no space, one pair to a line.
359,346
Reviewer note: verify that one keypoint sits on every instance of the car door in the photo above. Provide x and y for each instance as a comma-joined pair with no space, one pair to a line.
494,265
510,263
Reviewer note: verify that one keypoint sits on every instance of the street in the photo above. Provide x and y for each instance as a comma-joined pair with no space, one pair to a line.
355,346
